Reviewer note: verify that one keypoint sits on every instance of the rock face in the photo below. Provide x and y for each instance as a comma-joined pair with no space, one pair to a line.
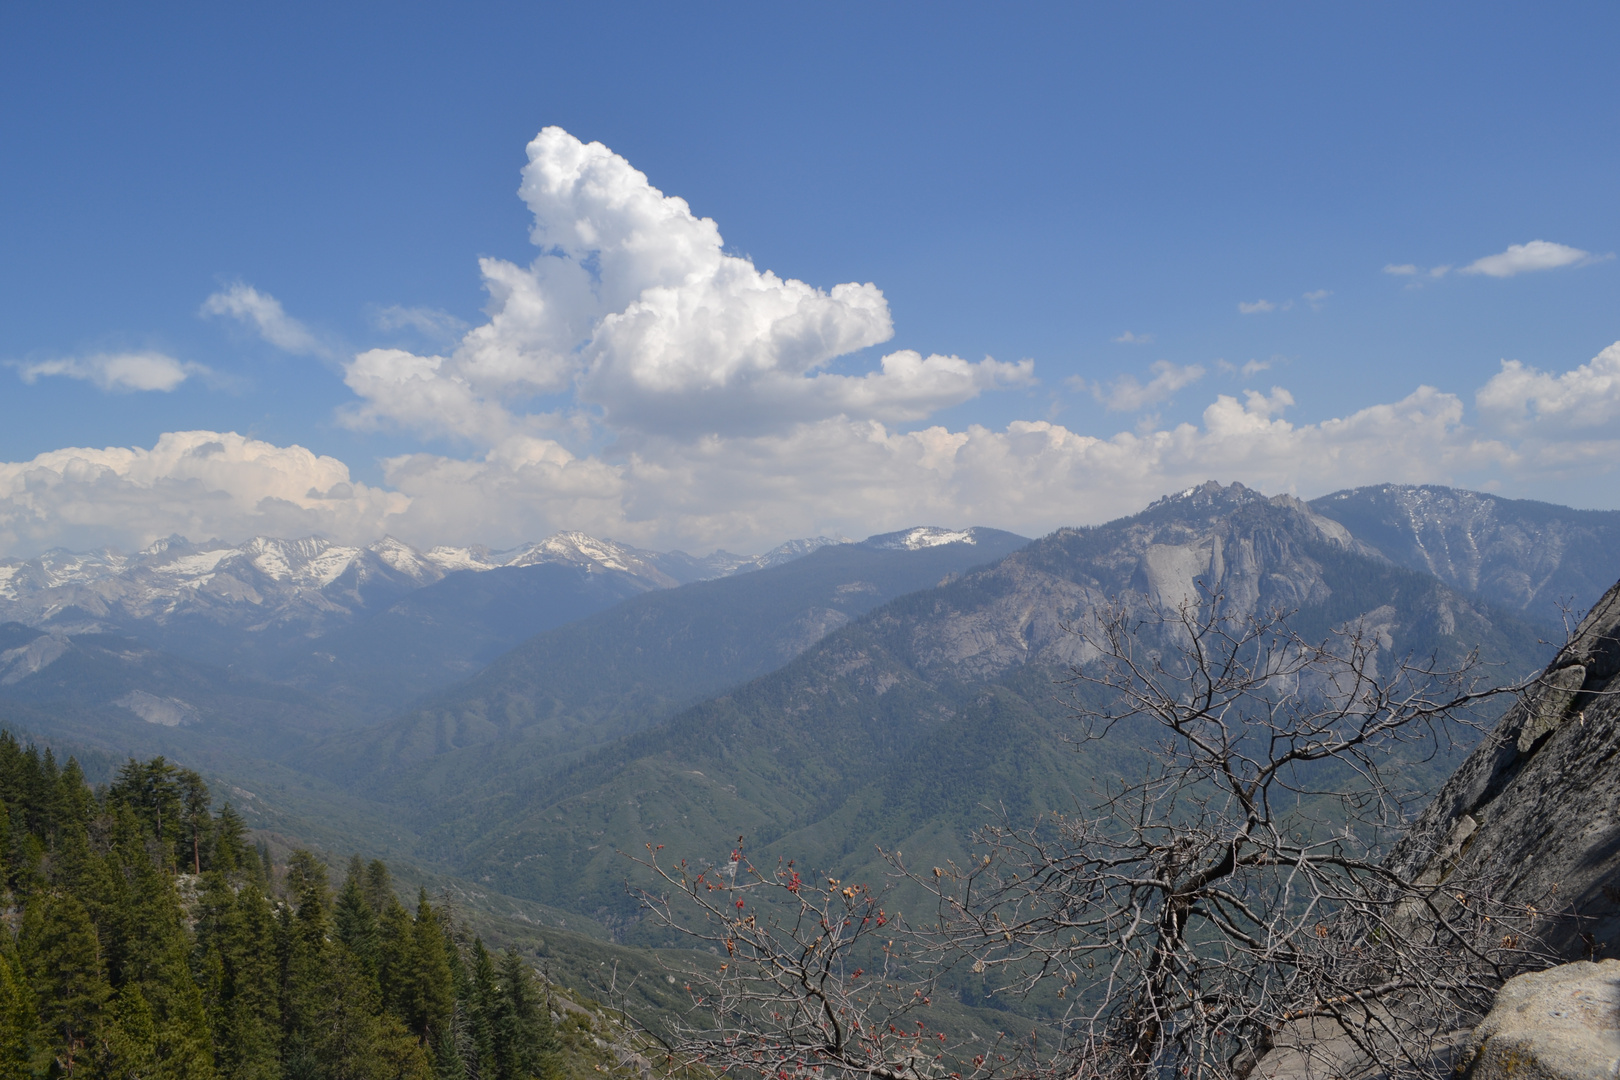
1535,809
1559,1024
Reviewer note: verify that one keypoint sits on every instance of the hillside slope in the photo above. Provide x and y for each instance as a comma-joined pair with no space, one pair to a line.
638,663
936,712
1518,554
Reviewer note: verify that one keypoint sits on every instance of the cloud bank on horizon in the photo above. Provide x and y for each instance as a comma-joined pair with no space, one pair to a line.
638,381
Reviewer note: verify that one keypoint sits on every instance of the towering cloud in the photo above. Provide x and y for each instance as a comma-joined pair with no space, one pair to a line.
634,306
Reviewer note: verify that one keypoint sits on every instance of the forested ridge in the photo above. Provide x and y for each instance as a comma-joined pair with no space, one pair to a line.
147,938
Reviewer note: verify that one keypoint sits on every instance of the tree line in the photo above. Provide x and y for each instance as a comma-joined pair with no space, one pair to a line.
147,939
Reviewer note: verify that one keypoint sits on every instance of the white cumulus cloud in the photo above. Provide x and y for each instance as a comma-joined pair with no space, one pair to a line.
1521,398
263,313
839,473
1526,258
1128,338
634,307
201,484
124,371
1255,307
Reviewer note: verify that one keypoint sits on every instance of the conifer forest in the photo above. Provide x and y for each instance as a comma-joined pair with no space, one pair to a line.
147,937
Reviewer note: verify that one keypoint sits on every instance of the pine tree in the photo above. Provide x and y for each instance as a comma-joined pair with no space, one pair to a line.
197,832
356,922
395,958
149,955
105,979
17,1016
526,1043
130,1049
484,992
230,848
236,969
306,946
379,887
61,959
431,992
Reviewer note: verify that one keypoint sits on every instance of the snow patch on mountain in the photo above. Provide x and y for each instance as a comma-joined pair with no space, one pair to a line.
924,536
310,585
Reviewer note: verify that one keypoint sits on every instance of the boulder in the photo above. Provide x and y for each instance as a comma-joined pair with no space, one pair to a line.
1558,1024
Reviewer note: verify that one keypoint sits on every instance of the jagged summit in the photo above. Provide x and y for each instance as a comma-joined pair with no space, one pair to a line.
1210,494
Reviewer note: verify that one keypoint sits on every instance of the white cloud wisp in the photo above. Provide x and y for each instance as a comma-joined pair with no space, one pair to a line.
116,372
1128,394
263,313
1529,258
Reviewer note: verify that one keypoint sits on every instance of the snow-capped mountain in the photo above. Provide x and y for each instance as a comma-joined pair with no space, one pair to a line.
924,536
305,586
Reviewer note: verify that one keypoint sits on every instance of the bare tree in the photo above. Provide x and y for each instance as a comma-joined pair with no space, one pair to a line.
1235,897
809,978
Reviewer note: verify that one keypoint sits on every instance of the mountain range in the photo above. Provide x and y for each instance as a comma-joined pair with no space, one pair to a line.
512,719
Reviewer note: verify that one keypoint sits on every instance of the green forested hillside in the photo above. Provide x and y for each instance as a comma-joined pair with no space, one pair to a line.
119,691
146,938
935,713
440,634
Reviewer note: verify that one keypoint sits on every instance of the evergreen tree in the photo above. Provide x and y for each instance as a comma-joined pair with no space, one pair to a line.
110,978
148,954
356,921
430,990
197,834
395,958
230,847
486,999
379,887
236,969
60,957
525,1043
17,1016
307,951
152,789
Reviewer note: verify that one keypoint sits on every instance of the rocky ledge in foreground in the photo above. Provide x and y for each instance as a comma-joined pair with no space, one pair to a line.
1558,1024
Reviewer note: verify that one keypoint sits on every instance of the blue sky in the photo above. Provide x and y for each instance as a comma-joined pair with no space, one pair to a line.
1025,183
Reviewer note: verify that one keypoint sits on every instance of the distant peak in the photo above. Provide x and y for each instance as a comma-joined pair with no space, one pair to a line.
923,536
168,543
1210,493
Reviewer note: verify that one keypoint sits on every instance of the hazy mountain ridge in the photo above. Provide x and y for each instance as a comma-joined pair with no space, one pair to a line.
308,584
1523,555
637,663
903,727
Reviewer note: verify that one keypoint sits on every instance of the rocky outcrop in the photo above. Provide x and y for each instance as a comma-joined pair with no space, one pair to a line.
1559,1024
1535,809
1533,814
